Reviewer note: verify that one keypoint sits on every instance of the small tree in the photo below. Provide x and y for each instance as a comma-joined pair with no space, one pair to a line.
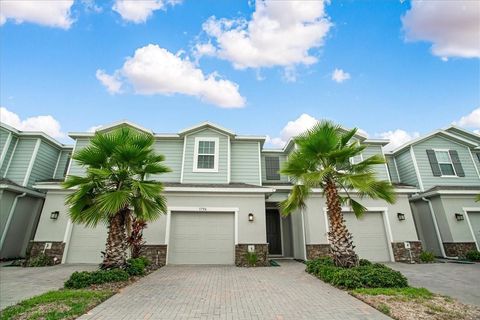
135,240
115,189
322,160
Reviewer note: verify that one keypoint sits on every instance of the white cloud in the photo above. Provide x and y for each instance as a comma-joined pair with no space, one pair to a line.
293,128
155,70
397,138
471,120
94,128
52,13
279,33
138,11
112,83
338,75
453,27
47,124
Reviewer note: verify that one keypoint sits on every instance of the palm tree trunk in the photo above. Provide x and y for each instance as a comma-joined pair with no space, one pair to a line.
115,253
340,238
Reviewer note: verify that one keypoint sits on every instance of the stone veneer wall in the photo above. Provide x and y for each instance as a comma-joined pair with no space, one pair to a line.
260,248
56,252
458,249
156,253
403,255
315,251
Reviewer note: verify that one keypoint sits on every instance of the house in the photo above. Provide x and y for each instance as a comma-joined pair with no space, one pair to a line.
444,165
223,195
25,157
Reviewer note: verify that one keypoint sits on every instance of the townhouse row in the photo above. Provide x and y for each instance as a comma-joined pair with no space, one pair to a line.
223,194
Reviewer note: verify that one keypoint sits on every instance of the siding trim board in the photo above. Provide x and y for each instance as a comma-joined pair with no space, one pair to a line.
32,162
473,160
183,157
56,166
11,157
5,148
417,171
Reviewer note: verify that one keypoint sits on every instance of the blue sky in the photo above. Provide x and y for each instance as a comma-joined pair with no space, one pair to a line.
412,75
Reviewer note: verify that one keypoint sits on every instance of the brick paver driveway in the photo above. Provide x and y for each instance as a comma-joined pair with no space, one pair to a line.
228,292
17,283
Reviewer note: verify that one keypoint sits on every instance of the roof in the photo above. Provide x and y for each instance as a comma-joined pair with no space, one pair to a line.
442,132
35,134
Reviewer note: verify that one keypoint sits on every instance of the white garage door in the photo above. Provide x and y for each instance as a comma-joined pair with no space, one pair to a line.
474,218
86,244
369,236
202,238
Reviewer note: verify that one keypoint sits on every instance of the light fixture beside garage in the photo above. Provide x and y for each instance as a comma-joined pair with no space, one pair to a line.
401,216
250,217
459,216
54,215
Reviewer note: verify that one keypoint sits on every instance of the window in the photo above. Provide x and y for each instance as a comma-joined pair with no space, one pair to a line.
272,166
206,155
445,163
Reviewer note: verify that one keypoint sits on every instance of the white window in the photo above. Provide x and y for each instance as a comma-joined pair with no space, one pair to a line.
445,163
205,155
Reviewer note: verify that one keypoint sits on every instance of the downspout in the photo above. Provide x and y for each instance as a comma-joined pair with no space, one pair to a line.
304,236
10,217
437,230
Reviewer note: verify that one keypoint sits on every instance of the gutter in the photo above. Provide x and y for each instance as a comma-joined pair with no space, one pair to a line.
9,219
437,230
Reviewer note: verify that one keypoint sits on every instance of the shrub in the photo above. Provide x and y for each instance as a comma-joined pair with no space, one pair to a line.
473,255
42,260
367,275
427,257
84,279
136,266
364,262
347,278
252,258
374,277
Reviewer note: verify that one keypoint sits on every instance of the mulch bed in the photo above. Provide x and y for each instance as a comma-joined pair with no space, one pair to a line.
436,308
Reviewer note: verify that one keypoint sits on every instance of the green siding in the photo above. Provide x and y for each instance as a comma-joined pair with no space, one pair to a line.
62,164
476,158
380,169
471,177
21,160
172,150
3,138
206,177
8,155
406,168
392,169
75,168
44,164
245,162
282,157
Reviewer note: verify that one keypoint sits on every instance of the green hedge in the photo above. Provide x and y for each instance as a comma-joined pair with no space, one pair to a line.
85,279
136,267
366,275
473,255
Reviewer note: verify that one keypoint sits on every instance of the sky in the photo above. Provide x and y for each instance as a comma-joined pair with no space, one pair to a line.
393,69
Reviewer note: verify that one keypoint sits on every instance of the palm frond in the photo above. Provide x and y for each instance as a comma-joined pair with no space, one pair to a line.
295,200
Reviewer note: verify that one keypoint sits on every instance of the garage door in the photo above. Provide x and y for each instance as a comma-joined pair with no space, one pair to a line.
369,236
86,244
474,218
202,238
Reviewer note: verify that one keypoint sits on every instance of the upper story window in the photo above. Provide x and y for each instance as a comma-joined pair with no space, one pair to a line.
206,155
272,168
445,163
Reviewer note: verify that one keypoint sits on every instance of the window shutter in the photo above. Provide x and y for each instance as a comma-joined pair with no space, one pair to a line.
432,158
456,163
272,166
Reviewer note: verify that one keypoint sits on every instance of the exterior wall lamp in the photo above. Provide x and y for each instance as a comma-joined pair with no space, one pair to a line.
459,217
54,215
250,217
400,216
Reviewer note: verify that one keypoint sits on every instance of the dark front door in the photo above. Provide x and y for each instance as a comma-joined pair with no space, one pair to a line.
274,237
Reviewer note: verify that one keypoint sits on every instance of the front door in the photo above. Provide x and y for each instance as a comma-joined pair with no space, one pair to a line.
274,237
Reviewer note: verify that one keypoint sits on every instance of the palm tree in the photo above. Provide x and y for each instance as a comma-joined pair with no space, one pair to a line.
322,159
116,188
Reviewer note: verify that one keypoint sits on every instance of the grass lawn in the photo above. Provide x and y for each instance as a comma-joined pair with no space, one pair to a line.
60,304
416,303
